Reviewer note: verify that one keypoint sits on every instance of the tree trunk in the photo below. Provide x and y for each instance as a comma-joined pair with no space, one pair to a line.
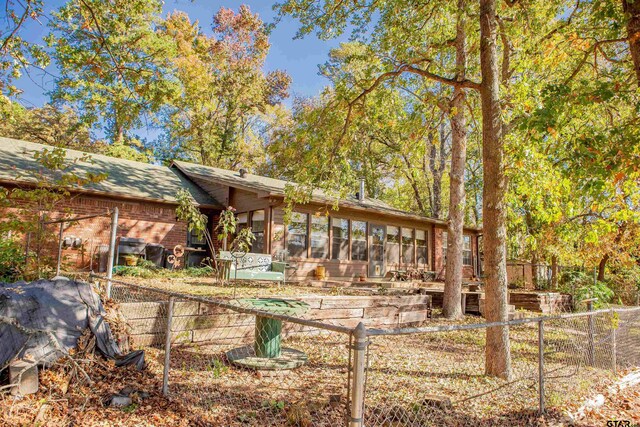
602,266
497,353
554,272
632,12
451,305
436,172
118,129
534,270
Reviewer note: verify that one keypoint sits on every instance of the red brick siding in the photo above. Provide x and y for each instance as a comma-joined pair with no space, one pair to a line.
154,222
439,255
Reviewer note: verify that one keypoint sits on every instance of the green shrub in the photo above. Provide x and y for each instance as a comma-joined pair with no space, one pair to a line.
625,283
11,260
198,271
149,265
581,286
599,290
135,271
148,270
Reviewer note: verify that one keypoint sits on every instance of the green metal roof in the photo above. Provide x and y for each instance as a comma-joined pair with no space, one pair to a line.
125,178
276,187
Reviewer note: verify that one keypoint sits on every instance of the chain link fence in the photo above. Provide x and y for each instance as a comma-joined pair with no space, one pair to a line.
242,363
233,363
436,375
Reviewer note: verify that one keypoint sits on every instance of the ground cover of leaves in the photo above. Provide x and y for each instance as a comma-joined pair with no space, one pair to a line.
207,391
210,287
406,376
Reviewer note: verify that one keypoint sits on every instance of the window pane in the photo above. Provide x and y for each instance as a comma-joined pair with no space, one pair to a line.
393,244
466,251
319,236
467,243
358,240
407,246
377,243
422,253
257,227
297,235
242,221
194,240
393,234
340,244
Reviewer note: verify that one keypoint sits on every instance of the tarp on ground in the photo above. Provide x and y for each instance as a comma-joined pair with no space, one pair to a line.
42,319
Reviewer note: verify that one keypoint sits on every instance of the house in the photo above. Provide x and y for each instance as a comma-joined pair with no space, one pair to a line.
363,237
145,195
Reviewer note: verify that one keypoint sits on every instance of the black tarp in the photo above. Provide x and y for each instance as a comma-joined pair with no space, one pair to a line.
63,307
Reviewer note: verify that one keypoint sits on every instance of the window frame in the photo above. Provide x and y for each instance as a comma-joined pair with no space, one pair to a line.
425,246
397,243
327,237
412,245
363,240
333,255
466,238
262,232
305,252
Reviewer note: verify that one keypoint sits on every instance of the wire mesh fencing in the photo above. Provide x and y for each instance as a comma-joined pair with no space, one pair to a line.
234,363
256,361
436,375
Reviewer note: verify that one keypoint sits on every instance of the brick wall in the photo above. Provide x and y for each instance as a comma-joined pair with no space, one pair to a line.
154,222
439,255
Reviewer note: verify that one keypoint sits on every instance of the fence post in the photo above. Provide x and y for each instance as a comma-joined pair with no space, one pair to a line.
356,413
614,344
541,366
167,349
59,249
590,350
112,249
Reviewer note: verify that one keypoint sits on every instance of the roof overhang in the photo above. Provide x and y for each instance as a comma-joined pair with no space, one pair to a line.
92,192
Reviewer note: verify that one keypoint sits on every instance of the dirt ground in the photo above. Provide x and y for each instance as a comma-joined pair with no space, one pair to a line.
413,380
207,391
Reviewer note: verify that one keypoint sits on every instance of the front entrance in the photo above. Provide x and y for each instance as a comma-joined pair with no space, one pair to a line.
376,250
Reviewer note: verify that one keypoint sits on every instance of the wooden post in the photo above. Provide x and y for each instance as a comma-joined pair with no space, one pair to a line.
167,348
463,303
541,366
356,415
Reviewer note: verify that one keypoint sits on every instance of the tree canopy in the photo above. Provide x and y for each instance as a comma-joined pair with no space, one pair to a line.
411,103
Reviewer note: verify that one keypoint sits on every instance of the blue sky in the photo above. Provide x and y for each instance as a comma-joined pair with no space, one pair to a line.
299,57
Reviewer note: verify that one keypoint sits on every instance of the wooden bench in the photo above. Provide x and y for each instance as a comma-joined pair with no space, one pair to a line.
252,266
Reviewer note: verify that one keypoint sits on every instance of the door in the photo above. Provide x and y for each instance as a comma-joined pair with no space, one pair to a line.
376,250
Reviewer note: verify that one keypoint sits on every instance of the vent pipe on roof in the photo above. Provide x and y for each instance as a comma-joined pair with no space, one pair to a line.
243,172
361,192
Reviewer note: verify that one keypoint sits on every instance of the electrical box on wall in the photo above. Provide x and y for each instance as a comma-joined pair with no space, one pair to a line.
71,242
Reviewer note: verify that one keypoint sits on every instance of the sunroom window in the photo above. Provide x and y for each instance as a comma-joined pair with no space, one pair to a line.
297,235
